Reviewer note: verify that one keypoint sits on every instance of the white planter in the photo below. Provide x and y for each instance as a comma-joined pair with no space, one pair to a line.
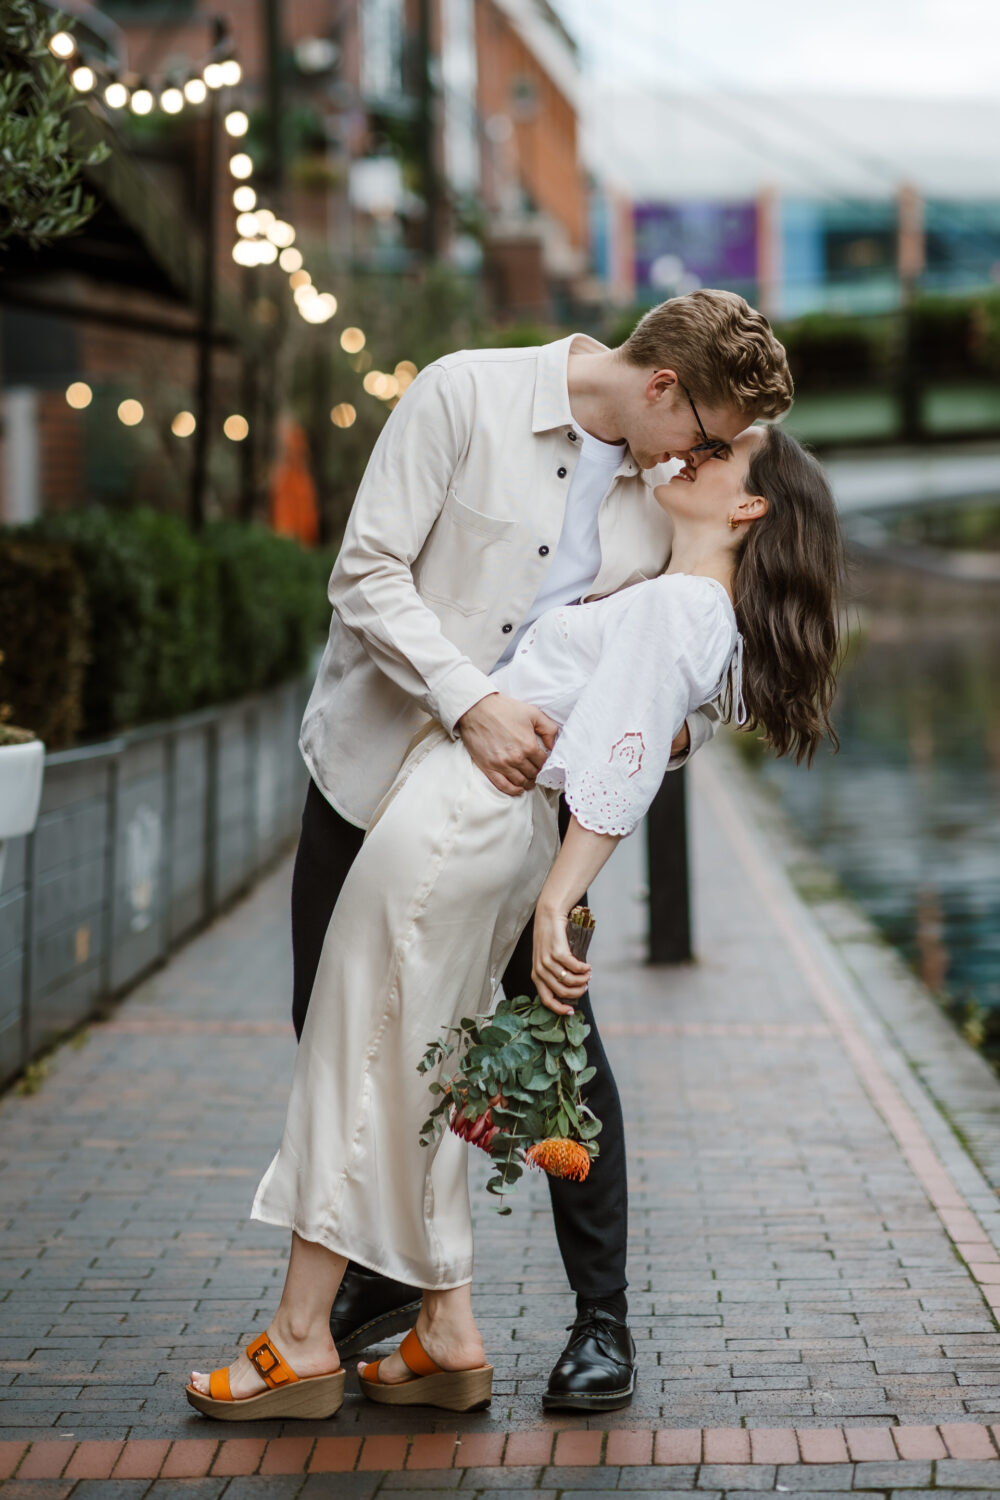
21,771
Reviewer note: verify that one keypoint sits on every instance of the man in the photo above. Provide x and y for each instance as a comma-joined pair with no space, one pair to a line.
508,482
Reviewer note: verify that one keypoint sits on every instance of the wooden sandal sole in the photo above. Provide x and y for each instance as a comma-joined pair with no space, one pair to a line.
317,1396
452,1390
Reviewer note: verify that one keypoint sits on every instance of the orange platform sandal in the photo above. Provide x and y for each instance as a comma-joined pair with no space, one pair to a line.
454,1390
288,1394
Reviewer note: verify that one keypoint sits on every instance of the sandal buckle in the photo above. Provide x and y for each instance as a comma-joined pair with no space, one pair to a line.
255,1359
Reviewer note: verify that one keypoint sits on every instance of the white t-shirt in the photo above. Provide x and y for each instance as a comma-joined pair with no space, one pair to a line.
577,560
620,675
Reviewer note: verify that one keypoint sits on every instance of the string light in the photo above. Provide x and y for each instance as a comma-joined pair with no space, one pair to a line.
231,72
244,199
343,415
315,311
142,102
265,220
405,373
245,252
79,395
299,278
371,381
195,91
281,234
116,95
290,260
172,101
61,44
240,165
304,293
330,301
183,424
236,123
236,428
83,79
130,412
266,253
246,225
214,75
352,340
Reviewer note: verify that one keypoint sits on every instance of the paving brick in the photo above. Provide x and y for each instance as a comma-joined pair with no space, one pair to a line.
46,1460
334,1455
141,1459
189,1459
919,1442
480,1450
527,1448
10,1457
382,1453
967,1440
773,1445
819,1445
93,1461
870,1443
286,1455
629,1448
238,1456
573,1448
726,1445
736,1476
432,1450
677,1445
970,1473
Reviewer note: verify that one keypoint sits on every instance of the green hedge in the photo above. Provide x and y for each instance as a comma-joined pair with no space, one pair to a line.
170,622
44,630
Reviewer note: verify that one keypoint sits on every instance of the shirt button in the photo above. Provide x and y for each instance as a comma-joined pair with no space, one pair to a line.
543,551
561,472
507,629
571,436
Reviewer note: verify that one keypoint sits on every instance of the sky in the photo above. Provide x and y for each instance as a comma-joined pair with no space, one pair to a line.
887,48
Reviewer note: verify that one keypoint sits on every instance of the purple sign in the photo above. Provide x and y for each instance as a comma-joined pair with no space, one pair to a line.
682,245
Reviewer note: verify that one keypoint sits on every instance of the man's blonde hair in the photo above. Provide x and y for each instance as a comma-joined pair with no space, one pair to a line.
722,350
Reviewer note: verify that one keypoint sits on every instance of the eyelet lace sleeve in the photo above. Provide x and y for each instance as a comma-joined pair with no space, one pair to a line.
666,655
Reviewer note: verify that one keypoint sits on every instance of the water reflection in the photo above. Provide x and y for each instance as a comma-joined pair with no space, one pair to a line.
909,812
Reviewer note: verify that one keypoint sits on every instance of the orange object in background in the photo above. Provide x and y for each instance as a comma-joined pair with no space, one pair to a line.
293,493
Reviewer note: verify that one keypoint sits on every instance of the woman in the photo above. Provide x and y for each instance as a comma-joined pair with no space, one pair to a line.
447,878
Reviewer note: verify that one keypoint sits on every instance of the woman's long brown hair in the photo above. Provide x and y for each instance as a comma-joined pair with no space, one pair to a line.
786,587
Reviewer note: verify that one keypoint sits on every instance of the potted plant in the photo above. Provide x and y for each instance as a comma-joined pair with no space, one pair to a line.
22,765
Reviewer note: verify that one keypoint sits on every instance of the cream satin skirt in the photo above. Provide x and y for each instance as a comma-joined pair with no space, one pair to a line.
428,917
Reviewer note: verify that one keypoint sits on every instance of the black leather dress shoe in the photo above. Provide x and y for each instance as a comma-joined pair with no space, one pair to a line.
369,1308
596,1370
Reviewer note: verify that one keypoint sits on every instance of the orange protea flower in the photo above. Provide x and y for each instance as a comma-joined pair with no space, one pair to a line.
560,1158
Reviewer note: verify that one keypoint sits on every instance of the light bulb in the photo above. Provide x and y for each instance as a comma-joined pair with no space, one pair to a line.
241,165
290,260
236,123
195,91
183,424
236,428
246,225
281,234
130,412
172,101
299,278
231,72
213,75
61,44
265,218
83,79
266,253
79,395
352,340
142,102
343,415
305,293
116,95
244,199
245,252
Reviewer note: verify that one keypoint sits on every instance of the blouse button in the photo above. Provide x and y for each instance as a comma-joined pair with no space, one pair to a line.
507,629
561,472
572,436
543,551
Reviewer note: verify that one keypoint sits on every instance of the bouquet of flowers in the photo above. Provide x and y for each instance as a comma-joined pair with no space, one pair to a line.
515,1085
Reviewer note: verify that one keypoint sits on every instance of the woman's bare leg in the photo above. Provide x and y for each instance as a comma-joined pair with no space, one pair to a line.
301,1326
447,1330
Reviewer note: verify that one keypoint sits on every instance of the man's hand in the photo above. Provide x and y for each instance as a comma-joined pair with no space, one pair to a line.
502,735
682,743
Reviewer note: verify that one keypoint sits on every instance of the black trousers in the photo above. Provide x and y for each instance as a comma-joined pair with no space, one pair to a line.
591,1217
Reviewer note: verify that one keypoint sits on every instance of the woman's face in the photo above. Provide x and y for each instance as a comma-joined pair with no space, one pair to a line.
713,489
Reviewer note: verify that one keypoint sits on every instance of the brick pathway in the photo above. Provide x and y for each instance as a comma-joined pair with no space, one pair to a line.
813,1266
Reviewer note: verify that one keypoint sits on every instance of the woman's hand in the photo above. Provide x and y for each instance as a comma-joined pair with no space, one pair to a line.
557,975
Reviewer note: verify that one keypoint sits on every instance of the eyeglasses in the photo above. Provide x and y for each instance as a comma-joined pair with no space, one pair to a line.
711,447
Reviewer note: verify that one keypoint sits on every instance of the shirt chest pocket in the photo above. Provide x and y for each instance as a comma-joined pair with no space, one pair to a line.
465,561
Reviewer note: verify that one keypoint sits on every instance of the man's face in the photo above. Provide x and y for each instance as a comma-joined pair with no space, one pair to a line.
664,426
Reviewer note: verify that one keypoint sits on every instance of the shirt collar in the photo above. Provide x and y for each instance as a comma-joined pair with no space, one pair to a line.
551,407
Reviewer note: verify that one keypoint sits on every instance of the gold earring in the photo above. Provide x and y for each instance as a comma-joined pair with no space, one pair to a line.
733,523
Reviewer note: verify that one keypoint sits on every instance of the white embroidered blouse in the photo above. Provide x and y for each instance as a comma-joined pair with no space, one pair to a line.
620,675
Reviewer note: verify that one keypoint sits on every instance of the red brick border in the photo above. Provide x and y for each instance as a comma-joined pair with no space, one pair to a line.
192,1458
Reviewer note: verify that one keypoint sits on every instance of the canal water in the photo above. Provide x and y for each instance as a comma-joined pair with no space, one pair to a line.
908,813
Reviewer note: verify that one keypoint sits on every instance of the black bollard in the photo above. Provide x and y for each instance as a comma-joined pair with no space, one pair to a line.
669,885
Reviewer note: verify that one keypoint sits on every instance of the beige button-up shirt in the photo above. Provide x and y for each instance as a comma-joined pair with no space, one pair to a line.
442,558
